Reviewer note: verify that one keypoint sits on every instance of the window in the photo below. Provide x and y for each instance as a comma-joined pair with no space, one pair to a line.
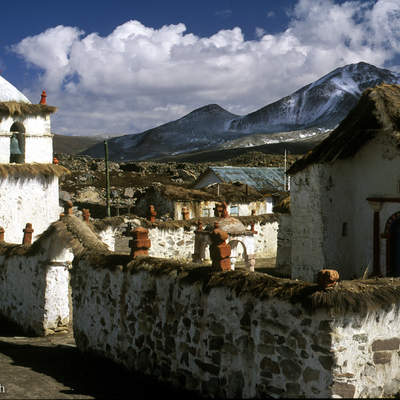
234,210
205,212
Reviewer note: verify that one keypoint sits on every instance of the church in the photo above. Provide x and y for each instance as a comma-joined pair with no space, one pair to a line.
29,189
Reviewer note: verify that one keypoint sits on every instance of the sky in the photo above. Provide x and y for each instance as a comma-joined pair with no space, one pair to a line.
123,66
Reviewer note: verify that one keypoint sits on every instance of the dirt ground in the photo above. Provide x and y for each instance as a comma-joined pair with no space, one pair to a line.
52,368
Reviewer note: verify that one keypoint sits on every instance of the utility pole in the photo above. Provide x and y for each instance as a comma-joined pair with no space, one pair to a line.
285,184
107,178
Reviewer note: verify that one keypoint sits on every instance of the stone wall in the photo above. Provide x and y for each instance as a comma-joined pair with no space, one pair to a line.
162,322
178,242
241,335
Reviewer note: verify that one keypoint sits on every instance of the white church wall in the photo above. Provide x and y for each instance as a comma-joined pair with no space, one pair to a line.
336,195
27,199
38,149
4,148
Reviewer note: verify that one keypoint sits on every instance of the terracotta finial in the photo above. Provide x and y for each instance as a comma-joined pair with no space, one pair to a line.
219,250
327,278
68,208
43,97
1,234
151,216
28,231
140,242
199,226
86,214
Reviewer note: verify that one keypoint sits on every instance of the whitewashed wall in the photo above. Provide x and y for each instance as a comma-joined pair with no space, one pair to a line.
34,289
38,139
217,343
178,243
323,197
367,349
39,149
164,323
23,200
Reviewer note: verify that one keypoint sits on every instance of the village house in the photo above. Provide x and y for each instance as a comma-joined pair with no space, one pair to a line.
28,178
176,202
345,194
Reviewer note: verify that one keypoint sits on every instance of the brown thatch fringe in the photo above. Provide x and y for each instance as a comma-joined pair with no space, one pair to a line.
188,224
377,110
100,225
15,108
235,192
32,170
357,296
283,207
75,232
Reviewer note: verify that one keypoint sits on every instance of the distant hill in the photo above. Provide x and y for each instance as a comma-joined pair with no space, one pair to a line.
74,144
318,107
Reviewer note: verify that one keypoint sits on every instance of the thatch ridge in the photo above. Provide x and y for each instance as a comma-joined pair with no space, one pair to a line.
32,170
188,224
283,206
74,231
357,296
377,110
19,108
229,192
100,225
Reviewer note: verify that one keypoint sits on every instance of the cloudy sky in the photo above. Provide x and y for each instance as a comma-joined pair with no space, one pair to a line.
123,66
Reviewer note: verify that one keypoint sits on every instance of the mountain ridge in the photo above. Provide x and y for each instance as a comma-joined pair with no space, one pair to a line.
316,107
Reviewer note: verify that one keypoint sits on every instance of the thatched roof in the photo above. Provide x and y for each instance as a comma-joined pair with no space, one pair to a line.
283,206
17,108
227,192
32,170
357,296
73,230
378,110
102,224
188,224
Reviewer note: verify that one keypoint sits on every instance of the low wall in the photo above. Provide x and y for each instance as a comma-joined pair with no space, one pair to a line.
176,239
239,334
34,288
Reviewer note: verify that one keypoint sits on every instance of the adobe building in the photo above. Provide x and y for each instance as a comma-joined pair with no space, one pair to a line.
345,194
178,203
29,190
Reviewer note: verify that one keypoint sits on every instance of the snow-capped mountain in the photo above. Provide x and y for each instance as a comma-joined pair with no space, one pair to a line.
202,128
317,107
323,103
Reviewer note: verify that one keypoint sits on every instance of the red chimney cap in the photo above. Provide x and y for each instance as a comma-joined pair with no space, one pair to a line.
43,97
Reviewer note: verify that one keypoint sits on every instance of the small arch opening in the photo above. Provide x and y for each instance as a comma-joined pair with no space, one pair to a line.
17,143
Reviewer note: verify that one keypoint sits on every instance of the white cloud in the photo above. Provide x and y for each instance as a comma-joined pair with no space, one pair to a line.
138,77
259,32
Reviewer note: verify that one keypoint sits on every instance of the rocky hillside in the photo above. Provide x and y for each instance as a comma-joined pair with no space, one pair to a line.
319,106
85,186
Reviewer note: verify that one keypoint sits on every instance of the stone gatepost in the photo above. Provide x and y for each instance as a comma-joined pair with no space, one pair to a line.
151,216
219,250
28,231
140,242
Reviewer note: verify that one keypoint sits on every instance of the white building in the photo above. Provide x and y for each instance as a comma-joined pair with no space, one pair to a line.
28,178
345,194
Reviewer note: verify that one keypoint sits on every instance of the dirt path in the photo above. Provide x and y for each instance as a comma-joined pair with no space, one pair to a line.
52,368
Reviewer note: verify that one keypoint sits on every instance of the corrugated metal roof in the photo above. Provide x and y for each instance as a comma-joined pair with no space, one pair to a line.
261,178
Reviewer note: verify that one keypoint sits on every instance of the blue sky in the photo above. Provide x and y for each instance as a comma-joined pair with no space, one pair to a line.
123,66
